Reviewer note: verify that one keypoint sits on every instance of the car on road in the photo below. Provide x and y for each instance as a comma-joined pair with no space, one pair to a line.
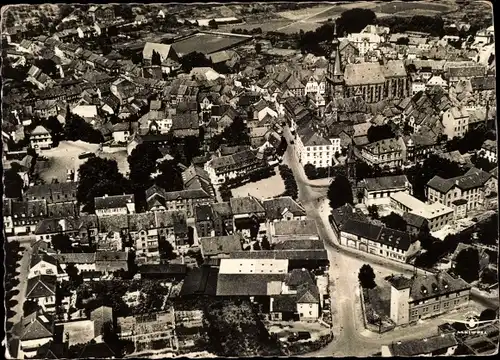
86,155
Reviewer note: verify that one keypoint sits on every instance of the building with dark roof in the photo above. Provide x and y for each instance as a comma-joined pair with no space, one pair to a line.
382,241
220,246
424,296
474,186
42,290
240,164
36,329
283,208
114,205
377,191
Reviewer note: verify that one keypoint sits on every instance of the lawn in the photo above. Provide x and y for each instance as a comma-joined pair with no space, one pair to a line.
296,27
304,13
262,189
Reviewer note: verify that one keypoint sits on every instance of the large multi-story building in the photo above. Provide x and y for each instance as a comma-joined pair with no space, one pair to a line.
469,190
40,138
377,191
222,168
424,296
312,148
387,152
436,214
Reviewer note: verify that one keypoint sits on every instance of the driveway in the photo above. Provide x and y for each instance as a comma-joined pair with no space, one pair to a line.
351,338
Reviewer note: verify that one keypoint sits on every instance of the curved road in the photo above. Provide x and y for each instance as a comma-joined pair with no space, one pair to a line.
351,338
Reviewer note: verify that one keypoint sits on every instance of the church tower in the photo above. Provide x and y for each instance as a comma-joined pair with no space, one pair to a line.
351,166
335,75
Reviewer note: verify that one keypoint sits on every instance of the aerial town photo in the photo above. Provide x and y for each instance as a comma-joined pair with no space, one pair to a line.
276,179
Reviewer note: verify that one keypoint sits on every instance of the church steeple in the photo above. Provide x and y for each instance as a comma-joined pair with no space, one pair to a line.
335,75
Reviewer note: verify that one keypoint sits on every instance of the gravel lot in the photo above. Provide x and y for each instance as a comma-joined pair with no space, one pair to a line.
263,189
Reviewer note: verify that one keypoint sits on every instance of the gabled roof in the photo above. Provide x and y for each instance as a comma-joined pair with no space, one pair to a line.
423,346
41,286
220,244
298,277
386,182
36,326
308,294
40,130
363,229
472,179
246,205
276,207
113,201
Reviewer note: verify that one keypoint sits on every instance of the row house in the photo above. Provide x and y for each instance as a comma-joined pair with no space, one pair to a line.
22,217
469,191
489,151
425,296
387,152
381,241
214,219
219,247
46,229
456,122
222,168
184,200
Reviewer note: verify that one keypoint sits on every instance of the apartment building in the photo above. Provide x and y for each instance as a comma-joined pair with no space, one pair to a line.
489,150
40,138
312,148
114,205
384,153
222,168
424,296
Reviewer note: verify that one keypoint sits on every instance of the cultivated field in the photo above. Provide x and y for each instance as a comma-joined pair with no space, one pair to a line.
304,13
262,189
206,43
405,7
301,25
271,25
336,10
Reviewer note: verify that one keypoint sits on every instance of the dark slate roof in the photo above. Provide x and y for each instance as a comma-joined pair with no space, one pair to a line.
53,225
285,303
307,294
246,205
299,244
200,281
299,277
277,206
203,213
363,229
220,244
39,257
30,208
428,286
414,220
41,286
345,212
423,346
386,182
113,201
246,284
113,223
296,227
96,351
222,209
281,254
164,269
395,238
36,326
472,179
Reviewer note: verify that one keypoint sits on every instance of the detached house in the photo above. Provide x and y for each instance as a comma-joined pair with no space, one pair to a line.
283,209
36,330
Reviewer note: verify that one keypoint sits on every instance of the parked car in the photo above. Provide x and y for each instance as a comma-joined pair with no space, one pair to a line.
301,335
86,155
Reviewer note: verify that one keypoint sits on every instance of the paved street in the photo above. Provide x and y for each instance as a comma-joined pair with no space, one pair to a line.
351,339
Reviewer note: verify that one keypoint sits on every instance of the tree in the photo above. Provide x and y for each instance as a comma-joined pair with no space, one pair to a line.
194,59
124,11
190,235
170,177
99,177
65,11
110,337
339,192
403,41
77,128
258,48
142,163
373,211
47,66
61,242
394,221
30,306
9,19
166,249
75,278
488,315
155,58
467,264
13,184
256,246
355,20
366,277
56,129
213,24
265,243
